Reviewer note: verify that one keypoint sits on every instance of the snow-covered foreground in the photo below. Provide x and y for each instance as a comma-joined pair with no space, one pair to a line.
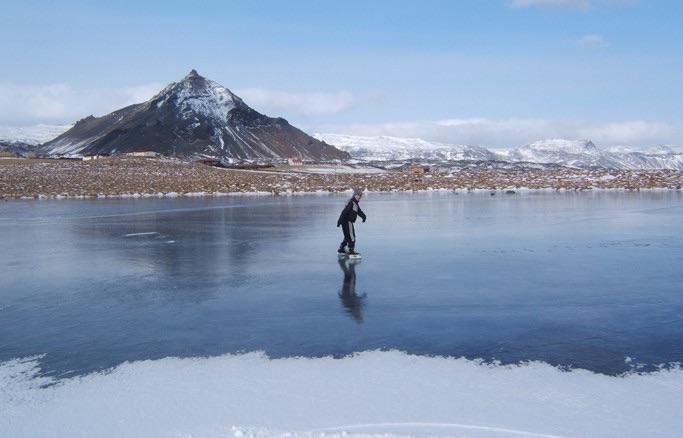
372,393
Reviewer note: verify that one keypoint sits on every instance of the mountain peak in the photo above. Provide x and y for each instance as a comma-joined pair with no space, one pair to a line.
559,145
192,117
197,96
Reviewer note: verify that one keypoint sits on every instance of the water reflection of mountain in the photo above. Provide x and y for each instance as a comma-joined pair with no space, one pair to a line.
201,240
196,245
352,302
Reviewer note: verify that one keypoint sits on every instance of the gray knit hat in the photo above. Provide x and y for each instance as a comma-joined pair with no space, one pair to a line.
358,191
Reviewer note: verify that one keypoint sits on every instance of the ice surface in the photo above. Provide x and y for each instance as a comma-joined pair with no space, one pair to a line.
370,393
92,287
442,274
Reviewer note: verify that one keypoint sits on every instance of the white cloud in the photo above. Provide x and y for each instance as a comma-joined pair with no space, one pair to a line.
22,104
630,132
593,41
63,103
512,132
303,103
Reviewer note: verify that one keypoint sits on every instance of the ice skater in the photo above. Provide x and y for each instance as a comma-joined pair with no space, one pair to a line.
346,220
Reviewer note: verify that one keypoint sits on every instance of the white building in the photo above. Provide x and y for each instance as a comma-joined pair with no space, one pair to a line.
144,154
294,161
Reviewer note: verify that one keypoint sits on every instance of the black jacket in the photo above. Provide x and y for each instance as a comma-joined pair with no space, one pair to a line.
351,212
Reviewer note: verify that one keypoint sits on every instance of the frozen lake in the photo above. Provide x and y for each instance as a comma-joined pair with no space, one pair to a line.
589,280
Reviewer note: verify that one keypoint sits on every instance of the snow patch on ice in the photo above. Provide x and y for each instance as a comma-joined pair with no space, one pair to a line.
148,233
369,394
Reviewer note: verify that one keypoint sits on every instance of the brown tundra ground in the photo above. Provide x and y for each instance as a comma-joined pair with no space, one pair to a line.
113,176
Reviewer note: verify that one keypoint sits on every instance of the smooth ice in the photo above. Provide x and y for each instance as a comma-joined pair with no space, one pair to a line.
587,280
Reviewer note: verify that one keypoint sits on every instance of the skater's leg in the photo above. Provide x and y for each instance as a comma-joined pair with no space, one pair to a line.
352,237
347,237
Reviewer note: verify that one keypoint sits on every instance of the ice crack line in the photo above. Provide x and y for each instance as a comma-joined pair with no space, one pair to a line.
441,425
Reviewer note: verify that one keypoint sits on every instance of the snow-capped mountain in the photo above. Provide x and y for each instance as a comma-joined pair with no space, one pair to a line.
213,103
192,117
583,153
571,153
31,135
386,148
574,153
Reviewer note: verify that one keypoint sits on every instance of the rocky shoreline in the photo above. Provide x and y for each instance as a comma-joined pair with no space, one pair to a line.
129,176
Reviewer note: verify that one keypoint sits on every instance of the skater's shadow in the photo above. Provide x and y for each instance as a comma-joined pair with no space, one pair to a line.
352,302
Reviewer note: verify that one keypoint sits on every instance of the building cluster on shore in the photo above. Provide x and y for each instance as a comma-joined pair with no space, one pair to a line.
126,175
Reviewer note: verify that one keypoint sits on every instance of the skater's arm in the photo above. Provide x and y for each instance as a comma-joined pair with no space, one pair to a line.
361,214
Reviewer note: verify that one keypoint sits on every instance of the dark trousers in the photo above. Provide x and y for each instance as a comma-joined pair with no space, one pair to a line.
349,236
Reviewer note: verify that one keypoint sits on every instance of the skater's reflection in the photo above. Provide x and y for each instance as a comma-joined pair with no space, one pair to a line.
352,302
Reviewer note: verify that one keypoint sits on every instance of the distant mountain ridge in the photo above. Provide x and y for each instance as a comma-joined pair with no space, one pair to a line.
571,153
31,135
583,154
194,117
386,148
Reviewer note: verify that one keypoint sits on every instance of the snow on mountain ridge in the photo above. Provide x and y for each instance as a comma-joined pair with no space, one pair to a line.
196,94
578,153
573,153
378,143
660,150
383,148
583,153
562,145
32,135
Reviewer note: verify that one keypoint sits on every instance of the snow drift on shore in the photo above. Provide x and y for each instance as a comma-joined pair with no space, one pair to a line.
371,393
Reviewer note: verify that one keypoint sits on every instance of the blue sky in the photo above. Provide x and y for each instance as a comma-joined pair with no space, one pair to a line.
491,72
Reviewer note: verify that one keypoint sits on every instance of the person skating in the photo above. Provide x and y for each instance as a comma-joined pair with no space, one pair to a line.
346,220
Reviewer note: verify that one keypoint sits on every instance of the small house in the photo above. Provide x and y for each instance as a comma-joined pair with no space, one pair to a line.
93,157
143,154
8,154
295,161
210,162
418,169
